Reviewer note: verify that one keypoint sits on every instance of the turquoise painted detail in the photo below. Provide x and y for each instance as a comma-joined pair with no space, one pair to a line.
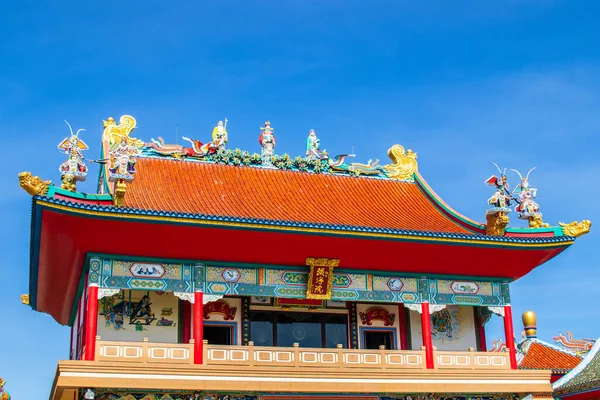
169,275
555,230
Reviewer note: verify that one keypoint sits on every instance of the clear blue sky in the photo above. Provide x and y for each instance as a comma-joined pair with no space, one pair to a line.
462,83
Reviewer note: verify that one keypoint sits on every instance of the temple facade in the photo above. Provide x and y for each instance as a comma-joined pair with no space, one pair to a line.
203,272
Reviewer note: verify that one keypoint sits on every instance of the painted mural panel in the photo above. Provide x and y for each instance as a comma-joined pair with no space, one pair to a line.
452,328
135,314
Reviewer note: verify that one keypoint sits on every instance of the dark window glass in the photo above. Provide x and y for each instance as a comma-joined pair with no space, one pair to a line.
374,339
218,334
261,329
304,329
336,331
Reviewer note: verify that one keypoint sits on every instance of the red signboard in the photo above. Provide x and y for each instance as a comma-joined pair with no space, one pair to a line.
221,308
377,313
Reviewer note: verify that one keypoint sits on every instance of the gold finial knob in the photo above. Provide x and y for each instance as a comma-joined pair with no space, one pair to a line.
529,324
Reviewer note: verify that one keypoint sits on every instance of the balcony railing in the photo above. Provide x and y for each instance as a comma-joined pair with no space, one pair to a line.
296,357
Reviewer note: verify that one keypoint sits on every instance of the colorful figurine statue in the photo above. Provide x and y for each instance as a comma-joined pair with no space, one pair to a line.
3,394
312,147
526,207
267,141
219,135
500,200
75,164
122,160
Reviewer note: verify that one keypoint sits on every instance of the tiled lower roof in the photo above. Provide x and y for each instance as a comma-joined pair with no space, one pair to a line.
540,355
585,377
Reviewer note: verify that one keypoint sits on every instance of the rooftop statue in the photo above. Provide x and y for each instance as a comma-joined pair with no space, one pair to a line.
527,208
219,139
339,164
267,142
500,200
122,160
74,168
312,147
404,163
496,217
579,346
3,394
113,132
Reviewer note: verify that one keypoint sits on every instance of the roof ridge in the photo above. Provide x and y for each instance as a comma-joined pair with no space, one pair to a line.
575,371
555,347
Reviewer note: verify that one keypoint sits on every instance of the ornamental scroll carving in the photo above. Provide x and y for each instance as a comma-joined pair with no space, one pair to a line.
414,307
207,298
497,310
104,292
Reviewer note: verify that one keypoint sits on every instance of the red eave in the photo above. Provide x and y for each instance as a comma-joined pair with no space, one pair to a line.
67,235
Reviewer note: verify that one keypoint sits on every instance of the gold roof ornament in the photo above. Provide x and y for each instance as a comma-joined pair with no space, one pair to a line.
114,133
25,299
404,163
529,324
575,228
34,185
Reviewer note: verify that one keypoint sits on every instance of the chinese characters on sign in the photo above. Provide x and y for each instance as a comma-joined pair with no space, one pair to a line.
377,313
320,277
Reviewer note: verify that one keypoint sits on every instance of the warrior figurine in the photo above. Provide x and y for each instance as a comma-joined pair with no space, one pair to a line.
75,164
501,199
527,208
122,160
267,141
312,147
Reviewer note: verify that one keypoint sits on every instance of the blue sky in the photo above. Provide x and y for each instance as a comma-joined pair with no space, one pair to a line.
462,83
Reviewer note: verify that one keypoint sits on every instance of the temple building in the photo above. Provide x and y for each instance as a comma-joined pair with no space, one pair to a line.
203,272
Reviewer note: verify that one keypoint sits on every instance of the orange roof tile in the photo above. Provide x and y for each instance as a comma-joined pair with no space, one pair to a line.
250,192
540,356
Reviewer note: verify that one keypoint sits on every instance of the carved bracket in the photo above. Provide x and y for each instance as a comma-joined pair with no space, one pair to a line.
185,296
497,310
209,298
104,292
436,307
414,307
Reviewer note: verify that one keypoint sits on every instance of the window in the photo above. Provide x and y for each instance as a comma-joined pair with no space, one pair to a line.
306,329
375,338
216,334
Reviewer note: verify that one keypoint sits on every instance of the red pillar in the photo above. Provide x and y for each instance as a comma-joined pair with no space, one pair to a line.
510,336
91,322
402,315
186,309
482,340
198,326
426,329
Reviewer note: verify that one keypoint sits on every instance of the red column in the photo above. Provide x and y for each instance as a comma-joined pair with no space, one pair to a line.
482,340
402,315
91,322
186,309
426,329
198,326
510,336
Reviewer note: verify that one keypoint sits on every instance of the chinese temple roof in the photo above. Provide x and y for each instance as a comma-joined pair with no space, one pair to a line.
271,195
163,201
583,382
